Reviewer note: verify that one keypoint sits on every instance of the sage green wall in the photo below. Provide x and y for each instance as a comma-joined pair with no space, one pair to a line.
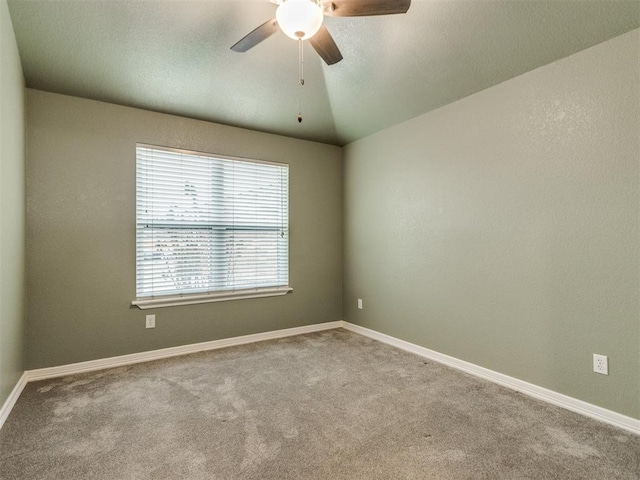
503,229
12,209
81,232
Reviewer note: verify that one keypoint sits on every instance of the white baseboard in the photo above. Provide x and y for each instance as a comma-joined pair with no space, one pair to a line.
12,398
549,396
92,365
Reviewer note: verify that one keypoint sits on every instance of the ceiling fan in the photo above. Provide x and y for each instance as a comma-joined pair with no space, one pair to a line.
302,20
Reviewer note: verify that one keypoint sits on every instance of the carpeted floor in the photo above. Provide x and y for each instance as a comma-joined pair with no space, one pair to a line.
329,405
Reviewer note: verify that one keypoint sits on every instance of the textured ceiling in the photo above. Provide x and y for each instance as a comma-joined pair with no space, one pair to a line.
175,57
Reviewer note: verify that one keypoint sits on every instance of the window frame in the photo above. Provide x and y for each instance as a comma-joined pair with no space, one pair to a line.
191,298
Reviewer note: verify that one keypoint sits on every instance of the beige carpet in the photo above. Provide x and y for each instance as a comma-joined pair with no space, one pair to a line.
329,405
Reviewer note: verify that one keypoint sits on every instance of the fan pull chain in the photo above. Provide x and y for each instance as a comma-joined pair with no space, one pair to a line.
301,61
301,75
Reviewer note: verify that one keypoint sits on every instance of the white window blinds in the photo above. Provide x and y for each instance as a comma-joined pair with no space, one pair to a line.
207,224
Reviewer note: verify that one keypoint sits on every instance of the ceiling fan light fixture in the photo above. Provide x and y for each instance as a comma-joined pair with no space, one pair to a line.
299,19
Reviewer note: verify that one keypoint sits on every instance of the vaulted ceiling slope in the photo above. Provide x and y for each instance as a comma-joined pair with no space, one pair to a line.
175,57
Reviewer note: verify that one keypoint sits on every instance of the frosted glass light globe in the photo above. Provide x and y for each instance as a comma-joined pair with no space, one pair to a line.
299,18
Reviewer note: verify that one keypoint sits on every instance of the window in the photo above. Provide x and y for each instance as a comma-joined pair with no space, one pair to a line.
209,228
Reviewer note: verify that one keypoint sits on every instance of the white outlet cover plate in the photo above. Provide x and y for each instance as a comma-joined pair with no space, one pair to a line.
150,321
600,364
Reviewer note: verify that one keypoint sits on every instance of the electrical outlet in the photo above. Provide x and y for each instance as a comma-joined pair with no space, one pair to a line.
151,321
600,364
360,303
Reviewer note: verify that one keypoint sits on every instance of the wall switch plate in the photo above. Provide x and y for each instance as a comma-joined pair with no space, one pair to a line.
151,321
360,303
600,364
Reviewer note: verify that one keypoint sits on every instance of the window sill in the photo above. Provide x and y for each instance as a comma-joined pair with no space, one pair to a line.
176,300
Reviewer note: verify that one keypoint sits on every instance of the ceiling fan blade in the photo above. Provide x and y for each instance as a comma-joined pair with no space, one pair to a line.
363,8
323,43
261,33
